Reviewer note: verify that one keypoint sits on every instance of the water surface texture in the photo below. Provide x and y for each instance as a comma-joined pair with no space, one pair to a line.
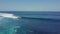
29,22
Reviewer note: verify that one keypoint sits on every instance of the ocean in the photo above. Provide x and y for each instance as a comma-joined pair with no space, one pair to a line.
29,22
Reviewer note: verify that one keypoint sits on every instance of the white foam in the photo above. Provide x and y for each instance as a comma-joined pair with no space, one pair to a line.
8,15
15,30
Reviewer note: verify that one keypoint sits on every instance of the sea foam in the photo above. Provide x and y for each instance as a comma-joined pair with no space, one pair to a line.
8,15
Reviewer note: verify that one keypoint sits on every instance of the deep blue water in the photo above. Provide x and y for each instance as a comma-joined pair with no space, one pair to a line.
31,23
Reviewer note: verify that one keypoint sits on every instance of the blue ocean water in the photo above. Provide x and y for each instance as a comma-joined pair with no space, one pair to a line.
31,23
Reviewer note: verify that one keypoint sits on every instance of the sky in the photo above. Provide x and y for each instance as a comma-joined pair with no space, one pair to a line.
29,5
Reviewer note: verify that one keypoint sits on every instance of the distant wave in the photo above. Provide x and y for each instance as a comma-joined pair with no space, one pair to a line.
40,18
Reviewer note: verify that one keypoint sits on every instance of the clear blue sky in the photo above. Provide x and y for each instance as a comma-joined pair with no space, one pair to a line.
29,5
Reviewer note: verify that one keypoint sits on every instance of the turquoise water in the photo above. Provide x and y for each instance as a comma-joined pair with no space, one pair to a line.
31,23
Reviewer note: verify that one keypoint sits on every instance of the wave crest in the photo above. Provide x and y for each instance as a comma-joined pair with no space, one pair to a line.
8,15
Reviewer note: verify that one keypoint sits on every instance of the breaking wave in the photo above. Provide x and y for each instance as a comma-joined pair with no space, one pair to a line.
6,15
